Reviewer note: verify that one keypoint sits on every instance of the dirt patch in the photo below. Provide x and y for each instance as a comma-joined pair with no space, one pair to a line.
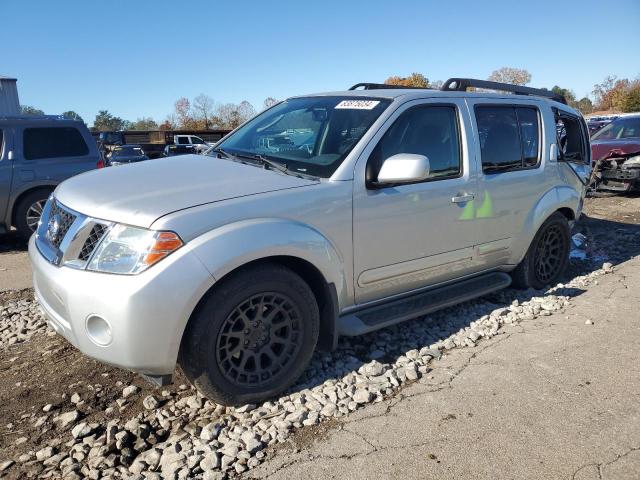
49,370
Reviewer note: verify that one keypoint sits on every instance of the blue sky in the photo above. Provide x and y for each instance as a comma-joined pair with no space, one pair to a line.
135,58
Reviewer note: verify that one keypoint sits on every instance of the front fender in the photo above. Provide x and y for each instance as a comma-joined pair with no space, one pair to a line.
226,248
556,198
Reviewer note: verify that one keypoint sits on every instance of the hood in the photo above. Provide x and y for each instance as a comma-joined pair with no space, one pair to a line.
604,148
143,192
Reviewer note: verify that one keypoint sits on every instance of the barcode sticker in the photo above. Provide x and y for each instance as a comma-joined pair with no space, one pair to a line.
358,104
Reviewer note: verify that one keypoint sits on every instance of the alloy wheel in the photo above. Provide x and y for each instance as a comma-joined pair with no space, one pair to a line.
259,339
550,253
34,212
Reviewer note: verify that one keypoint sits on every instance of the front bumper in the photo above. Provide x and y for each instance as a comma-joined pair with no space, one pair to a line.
146,313
618,179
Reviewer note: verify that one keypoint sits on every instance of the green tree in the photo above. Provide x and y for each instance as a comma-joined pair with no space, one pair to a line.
413,80
71,115
144,123
29,110
566,93
585,105
515,76
631,102
105,122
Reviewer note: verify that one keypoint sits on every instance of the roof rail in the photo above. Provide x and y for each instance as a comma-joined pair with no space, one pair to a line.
33,117
461,85
381,86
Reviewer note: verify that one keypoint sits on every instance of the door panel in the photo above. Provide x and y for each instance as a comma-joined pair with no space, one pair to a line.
505,199
411,236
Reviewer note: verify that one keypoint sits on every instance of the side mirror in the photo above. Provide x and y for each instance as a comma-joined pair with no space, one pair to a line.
404,168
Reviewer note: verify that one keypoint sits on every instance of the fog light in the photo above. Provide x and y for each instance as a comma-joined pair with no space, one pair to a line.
99,330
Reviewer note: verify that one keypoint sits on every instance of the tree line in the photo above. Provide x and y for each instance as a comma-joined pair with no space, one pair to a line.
614,94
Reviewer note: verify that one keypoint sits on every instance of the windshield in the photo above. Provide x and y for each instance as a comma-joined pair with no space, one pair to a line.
311,135
128,152
620,128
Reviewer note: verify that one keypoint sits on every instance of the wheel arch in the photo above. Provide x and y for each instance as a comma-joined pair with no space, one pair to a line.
12,210
563,199
294,245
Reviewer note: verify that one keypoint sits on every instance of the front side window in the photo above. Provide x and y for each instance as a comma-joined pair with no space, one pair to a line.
53,142
197,141
431,131
310,135
509,137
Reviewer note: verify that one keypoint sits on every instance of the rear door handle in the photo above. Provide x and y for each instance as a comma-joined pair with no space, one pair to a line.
463,198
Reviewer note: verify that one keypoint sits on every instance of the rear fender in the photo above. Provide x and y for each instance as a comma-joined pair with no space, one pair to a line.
561,197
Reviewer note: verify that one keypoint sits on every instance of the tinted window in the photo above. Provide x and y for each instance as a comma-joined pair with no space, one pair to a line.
430,131
1,143
53,142
183,140
509,138
197,141
529,133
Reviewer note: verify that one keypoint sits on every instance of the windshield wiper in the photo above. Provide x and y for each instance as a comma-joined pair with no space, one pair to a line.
281,167
224,153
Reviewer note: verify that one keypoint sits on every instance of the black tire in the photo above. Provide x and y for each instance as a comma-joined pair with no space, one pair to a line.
547,257
24,211
214,354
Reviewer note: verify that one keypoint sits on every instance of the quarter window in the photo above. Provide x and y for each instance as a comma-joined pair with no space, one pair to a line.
53,142
426,130
509,138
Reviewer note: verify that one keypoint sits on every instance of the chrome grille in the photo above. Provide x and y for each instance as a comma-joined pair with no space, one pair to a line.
65,220
90,244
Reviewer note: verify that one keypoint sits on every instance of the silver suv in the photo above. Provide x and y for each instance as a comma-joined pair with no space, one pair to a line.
326,215
36,154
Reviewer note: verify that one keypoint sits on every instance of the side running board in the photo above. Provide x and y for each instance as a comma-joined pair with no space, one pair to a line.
380,316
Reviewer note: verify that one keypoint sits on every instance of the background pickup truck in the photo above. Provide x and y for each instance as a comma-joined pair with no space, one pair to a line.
153,142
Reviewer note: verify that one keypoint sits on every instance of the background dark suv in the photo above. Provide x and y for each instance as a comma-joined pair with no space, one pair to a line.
36,154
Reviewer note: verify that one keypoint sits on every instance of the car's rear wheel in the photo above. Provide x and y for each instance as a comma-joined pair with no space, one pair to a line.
252,336
547,257
28,212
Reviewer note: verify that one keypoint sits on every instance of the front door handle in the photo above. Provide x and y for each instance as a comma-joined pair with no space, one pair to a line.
463,198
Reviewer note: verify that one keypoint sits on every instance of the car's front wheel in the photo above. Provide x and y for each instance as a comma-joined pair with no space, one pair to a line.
547,257
252,336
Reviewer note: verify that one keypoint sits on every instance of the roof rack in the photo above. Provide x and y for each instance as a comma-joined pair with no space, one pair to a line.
381,86
461,85
33,117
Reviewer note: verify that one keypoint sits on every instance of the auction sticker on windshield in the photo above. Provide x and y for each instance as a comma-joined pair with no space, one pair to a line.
358,104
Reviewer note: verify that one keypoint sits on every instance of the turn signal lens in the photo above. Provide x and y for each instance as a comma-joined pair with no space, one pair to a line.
165,243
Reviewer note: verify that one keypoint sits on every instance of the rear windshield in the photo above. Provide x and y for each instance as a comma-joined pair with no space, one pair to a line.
311,135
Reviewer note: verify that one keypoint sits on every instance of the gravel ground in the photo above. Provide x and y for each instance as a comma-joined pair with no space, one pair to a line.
66,416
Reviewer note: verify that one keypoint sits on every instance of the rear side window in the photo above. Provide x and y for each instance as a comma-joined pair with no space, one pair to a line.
509,138
53,142
426,130
183,141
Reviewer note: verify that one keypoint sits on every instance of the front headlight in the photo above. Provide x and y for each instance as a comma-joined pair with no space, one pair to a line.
130,250
632,162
